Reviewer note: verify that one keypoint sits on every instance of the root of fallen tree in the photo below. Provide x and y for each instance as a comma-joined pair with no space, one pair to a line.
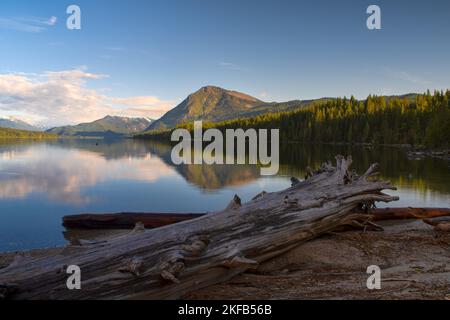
168,262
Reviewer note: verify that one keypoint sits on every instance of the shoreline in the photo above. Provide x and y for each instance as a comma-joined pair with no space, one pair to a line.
413,152
408,252
438,152
334,267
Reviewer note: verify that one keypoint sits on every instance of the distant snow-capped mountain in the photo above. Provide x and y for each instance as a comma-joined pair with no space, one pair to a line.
109,125
13,123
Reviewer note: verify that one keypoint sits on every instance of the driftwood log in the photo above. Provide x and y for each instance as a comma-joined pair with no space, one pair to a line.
126,220
409,213
156,220
440,224
168,262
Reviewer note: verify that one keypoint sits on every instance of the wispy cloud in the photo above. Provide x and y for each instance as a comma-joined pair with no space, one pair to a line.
63,97
111,52
115,49
264,94
230,66
406,76
105,56
28,24
52,21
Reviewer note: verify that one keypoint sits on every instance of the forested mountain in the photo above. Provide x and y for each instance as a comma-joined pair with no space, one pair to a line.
108,126
214,104
209,103
410,119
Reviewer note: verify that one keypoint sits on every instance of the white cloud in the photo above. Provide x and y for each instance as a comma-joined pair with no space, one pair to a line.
25,24
13,24
264,94
136,101
52,21
60,98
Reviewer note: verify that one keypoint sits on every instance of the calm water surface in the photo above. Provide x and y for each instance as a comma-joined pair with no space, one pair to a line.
40,182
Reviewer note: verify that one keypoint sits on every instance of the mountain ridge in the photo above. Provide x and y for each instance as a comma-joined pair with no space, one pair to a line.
215,104
209,103
12,123
109,126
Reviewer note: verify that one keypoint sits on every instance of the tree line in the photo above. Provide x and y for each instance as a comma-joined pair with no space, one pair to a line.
6,133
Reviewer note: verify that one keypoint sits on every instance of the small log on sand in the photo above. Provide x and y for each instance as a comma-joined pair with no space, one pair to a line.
156,220
168,262
125,220
408,213
441,224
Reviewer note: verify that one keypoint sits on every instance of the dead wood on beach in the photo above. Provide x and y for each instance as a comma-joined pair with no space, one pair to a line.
157,220
125,220
171,261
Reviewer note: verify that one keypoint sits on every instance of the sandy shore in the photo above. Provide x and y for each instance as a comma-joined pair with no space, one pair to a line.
414,260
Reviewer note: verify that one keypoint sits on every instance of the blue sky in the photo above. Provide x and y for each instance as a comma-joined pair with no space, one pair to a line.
144,56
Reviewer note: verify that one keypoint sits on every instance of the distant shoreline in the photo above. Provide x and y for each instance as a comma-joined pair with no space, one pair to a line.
7,133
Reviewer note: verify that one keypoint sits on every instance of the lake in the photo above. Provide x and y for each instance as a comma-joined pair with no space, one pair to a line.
40,182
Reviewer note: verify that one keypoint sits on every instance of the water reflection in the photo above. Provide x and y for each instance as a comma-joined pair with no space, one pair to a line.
207,177
42,181
60,171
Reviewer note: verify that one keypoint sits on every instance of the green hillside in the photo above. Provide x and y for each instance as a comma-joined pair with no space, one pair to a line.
214,104
6,133
209,104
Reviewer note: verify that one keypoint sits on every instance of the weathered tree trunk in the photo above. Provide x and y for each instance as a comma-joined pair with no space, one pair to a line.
168,262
